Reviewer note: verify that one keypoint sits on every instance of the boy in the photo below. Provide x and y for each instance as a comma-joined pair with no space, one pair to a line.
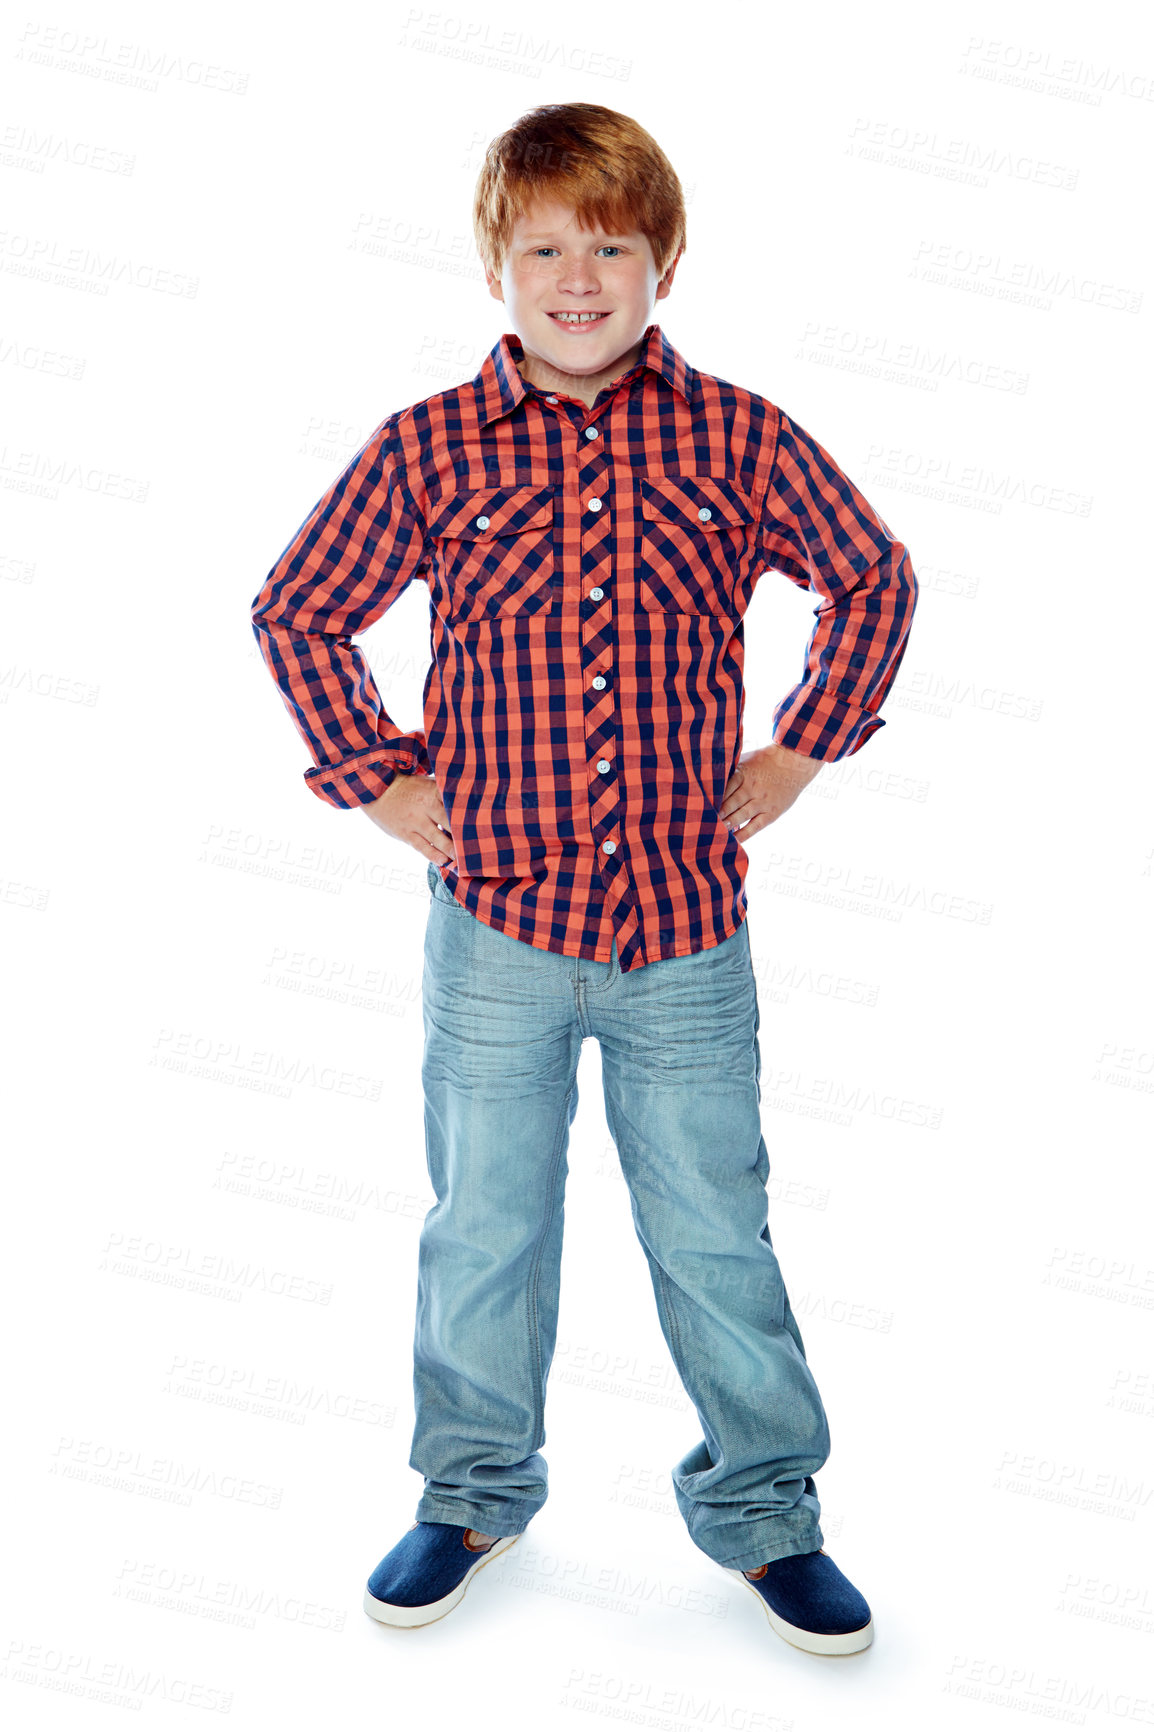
591,515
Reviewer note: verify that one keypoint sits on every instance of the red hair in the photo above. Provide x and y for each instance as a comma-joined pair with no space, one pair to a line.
601,163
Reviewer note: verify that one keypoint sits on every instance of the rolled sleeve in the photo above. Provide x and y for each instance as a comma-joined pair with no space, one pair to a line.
819,530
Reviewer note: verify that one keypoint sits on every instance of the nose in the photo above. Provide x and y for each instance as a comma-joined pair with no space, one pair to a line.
578,276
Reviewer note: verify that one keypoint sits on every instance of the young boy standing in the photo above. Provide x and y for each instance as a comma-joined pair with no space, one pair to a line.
591,515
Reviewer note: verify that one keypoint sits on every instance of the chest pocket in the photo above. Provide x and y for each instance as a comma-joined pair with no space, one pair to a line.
697,534
496,554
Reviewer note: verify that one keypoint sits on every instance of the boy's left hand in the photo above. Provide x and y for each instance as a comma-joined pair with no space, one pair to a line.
764,785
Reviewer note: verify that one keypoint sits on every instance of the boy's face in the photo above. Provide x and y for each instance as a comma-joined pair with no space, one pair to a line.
553,267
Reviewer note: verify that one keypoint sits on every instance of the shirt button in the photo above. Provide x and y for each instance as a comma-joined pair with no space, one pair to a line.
550,399
591,432
609,847
705,514
596,594
482,523
603,765
598,683
594,505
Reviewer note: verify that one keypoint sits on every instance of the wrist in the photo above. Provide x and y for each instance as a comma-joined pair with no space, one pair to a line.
798,766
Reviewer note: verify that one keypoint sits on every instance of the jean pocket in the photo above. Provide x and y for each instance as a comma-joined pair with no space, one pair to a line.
440,892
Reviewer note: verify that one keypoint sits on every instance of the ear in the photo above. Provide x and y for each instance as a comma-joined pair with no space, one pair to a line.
666,282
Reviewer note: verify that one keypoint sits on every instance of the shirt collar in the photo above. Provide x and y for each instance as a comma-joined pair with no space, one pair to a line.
500,386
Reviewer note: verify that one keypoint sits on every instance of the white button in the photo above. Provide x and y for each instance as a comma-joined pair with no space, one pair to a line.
705,514
591,432
594,505
603,765
609,847
598,683
550,399
596,594
482,523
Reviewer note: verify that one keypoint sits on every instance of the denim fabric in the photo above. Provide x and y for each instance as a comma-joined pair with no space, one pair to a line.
812,1594
681,1066
426,1563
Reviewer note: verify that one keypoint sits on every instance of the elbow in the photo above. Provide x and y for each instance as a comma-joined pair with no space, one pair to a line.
905,575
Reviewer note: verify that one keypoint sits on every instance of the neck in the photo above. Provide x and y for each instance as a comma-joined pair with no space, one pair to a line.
536,370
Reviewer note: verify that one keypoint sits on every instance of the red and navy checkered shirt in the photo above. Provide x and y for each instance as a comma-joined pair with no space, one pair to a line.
588,570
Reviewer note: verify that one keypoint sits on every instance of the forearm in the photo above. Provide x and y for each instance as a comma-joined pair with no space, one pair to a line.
351,558
329,691
852,659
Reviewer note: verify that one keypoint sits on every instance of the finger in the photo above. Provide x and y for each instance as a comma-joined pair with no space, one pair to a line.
434,844
754,826
738,803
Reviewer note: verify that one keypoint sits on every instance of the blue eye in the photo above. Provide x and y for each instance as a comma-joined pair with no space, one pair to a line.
610,246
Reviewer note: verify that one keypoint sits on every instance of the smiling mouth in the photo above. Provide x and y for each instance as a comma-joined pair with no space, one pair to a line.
578,319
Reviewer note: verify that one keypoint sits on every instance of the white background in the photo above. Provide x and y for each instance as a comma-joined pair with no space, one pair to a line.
234,240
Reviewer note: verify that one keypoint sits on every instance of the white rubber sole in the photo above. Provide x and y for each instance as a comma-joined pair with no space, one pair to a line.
851,1642
412,1617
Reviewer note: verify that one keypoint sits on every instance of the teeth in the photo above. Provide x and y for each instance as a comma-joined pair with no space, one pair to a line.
576,318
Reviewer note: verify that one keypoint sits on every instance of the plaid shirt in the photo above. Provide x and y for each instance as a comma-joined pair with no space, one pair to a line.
588,569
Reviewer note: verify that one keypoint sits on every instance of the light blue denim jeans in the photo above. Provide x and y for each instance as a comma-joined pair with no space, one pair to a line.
504,1024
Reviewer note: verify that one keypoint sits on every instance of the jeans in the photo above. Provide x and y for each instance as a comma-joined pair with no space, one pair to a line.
504,1024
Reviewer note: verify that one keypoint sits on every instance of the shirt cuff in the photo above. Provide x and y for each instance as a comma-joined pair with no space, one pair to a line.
819,725
362,778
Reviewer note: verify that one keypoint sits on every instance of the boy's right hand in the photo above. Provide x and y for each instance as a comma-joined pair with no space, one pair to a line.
411,810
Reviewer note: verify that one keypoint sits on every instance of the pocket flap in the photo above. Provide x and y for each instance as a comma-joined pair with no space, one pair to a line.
685,497
487,512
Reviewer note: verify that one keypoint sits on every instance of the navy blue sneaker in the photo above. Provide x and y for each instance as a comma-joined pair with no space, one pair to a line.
426,1573
811,1604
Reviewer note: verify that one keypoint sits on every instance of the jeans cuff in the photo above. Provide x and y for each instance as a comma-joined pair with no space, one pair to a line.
771,1540
504,1523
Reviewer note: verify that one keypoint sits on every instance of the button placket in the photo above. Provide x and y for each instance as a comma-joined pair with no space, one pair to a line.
597,637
